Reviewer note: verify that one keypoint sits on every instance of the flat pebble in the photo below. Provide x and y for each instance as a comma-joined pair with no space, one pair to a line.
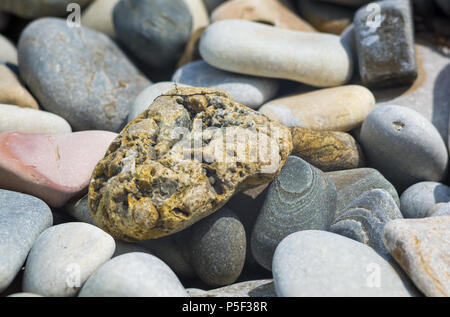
63,258
418,199
99,16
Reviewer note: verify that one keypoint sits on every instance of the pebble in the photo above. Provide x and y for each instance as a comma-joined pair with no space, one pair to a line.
421,247
51,167
200,16
386,54
335,109
99,16
326,150
212,4
149,27
8,52
417,200
11,90
413,150
256,49
440,210
364,219
191,51
26,120
323,264
78,74
38,8
133,275
63,258
249,91
300,198
257,288
22,219
79,209
350,184
271,12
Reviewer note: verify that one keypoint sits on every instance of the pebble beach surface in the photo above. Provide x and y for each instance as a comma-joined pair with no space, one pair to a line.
224,148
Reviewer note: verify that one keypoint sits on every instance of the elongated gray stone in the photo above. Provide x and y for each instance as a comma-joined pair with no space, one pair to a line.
417,200
301,198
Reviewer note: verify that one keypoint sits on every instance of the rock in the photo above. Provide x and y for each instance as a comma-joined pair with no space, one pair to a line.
191,51
326,150
149,185
54,168
444,5
386,53
318,263
22,219
99,16
79,209
326,17
439,210
133,275
335,109
364,219
261,50
26,120
218,261
247,90
200,16
24,295
8,52
270,12
350,3
412,148
350,184
78,74
421,247
63,258
149,27
418,199
125,248
300,198
12,92
38,8
258,288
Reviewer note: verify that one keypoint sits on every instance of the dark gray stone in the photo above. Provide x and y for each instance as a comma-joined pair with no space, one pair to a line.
155,31
364,219
78,74
39,8
417,200
79,209
22,219
350,184
386,53
301,198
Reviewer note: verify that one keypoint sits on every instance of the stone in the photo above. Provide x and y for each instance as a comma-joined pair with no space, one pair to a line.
79,74
386,53
323,264
257,288
200,16
54,168
133,275
217,261
27,120
31,9
8,52
22,219
350,184
364,219
421,247
63,258
153,182
79,209
155,31
99,16
212,4
418,199
326,150
256,49
191,51
404,146
335,109
270,12
440,210
300,198
326,17
12,92
247,90
444,5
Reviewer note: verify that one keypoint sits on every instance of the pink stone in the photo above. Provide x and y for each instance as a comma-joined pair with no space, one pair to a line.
54,168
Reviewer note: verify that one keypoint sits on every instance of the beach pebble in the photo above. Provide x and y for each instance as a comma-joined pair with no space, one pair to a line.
403,146
256,49
22,219
38,8
52,167
300,198
78,74
63,258
257,288
249,91
421,247
318,263
335,109
8,52
200,16
11,90
99,16
417,200
79,209
439,210
133,275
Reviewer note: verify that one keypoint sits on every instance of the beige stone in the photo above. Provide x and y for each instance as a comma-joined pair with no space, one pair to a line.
200,17
12,92
99,16
333,109
8,52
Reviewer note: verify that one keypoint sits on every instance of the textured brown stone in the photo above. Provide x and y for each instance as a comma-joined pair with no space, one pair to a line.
326,150
153,182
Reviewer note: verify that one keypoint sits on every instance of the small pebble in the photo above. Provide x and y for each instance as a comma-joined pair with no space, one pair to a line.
417,200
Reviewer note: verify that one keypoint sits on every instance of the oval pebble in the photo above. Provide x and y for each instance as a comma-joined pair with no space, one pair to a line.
418,199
